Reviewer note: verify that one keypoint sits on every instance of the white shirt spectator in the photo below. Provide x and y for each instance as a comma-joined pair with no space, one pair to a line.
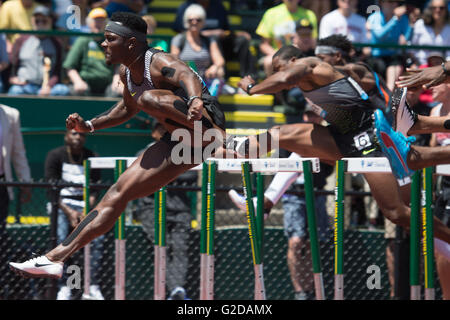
424,35
354,27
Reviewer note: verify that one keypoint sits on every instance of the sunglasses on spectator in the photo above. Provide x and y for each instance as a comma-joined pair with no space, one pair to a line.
41,21
195,19
437,7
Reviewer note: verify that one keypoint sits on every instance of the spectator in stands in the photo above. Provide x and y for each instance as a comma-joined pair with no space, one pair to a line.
433,29
178,225
151,27
36,60
389,26
85,62
192,46
65,163
303,37
344,21
13,153
4,61
441,94
233,44
16,14
277,27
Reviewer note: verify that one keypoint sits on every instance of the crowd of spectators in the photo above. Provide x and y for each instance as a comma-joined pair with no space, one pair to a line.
43,64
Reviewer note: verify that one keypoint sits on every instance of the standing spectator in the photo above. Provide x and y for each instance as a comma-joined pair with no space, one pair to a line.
16,14
178,224
389,26
4,61
85,63
191,46
441,93
36,60
11,143
151,27
233,44
344,21
433,29
66,163
277,27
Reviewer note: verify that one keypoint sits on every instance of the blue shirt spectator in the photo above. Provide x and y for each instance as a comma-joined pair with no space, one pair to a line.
383,31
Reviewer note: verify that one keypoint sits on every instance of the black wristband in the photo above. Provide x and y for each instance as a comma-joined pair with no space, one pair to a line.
251,85
446,71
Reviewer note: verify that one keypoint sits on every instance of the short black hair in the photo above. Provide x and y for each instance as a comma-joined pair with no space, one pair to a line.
288,52
130,20
338,41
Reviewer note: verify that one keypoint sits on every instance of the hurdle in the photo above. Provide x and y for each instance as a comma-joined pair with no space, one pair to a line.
119,164
260,166
86,209
160,248
420,199
256,225
209,168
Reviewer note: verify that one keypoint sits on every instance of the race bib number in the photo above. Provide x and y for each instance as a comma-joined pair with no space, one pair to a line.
362,141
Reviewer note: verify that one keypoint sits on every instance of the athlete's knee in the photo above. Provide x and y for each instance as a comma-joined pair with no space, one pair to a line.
149,99
396,215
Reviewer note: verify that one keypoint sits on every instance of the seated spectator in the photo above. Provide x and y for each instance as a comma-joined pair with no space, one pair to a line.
151,27
36,60
85,62
303,37
389,26
4,61
16,14
191,46
435,58
233,44
344,21
433,29
277,27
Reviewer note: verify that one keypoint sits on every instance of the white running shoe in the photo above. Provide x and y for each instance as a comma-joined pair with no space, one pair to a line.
404,116
94,293
64,293
38,267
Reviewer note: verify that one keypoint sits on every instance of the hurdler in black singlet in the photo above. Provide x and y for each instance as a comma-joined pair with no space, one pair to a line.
348,110
210,103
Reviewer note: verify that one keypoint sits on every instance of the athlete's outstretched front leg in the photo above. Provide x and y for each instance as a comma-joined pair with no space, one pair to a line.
151,170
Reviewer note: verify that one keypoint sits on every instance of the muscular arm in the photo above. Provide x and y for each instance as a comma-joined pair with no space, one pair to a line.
284,79
121,112
169,72
359,73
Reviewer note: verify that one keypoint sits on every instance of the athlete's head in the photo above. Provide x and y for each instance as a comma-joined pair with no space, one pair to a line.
125,33
284,56
335,49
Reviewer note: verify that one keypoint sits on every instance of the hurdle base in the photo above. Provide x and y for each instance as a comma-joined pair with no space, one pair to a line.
338,287
415,292
430,294
260,291
318,286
